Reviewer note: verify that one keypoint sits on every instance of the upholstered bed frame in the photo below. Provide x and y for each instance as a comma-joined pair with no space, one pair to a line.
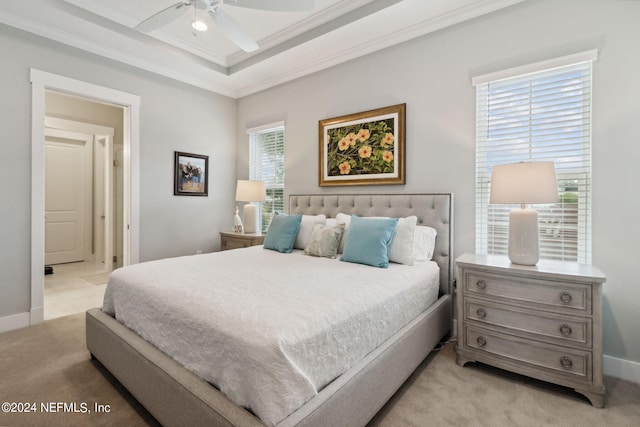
177,397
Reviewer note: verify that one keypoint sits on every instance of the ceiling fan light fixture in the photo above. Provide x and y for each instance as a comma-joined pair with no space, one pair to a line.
199,25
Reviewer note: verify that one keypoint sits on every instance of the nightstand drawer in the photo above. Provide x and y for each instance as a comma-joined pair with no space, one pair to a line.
228,244
550,295
526,354
553,328
239,240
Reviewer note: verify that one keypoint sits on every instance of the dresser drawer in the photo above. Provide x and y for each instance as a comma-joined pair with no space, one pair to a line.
530,355
549,327
546,294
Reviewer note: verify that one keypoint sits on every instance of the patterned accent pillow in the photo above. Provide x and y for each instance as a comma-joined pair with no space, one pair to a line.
324,240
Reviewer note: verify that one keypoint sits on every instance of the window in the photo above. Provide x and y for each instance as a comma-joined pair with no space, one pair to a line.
266,163
540,112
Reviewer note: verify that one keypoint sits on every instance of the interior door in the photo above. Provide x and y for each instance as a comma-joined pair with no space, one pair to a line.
68,164
103,200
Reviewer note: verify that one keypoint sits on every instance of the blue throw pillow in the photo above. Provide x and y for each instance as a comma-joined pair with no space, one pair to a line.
282,233
368,241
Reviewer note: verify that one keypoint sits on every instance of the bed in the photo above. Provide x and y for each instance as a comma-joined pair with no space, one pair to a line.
176,395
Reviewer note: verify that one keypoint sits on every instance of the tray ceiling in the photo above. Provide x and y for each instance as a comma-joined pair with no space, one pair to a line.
292,44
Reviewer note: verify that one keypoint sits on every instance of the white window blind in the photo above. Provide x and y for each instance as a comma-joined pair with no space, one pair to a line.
266,163
544,115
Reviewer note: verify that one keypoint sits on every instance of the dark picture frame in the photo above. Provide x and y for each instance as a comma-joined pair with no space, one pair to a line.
191,174
366,148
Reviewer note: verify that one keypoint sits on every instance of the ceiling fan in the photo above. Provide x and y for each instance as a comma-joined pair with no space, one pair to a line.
232,29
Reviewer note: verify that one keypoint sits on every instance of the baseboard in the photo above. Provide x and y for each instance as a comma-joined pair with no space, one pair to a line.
15,321
37,315
621,368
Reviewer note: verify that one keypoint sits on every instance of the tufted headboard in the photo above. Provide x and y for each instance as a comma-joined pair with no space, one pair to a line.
434,210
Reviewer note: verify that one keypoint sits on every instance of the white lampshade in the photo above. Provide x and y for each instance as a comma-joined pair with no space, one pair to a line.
251,191
524,183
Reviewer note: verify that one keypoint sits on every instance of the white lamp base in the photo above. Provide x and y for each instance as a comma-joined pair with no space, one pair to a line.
523,236
250,214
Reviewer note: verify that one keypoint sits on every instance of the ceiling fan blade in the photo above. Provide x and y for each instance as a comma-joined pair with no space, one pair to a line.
274,5
163,17
233,30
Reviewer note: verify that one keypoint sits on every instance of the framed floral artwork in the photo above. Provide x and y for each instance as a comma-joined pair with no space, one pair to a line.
365,148
190,176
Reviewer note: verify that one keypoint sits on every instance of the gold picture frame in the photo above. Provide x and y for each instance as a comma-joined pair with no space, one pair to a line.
366,148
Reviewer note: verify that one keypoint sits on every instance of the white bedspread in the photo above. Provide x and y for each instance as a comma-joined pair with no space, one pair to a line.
268,329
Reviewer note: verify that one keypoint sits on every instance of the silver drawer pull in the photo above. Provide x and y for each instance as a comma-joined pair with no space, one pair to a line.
482,341
565,297
566,362
565,330
481,284
481,312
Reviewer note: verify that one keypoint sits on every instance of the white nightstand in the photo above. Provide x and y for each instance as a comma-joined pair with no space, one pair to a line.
543,321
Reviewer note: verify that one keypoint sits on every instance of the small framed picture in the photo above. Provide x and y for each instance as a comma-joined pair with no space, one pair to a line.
365,148
191,174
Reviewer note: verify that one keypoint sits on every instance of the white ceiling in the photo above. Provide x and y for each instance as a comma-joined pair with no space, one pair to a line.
292,44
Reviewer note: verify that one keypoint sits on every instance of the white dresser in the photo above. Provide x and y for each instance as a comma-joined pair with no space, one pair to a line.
543,321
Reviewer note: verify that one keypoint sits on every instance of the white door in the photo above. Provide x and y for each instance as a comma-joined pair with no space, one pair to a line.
103,197
67,196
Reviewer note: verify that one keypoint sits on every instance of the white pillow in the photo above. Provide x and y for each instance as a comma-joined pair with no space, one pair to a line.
401,250
424,243
343,219
306,226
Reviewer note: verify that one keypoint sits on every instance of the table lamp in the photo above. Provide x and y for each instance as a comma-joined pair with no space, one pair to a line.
251,191
524,183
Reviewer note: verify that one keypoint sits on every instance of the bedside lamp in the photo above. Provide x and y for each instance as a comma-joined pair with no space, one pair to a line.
524,183
251,191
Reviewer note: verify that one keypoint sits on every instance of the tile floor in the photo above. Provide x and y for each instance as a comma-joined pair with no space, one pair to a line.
73,288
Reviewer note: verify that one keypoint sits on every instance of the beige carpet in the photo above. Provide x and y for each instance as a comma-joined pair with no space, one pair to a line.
49,365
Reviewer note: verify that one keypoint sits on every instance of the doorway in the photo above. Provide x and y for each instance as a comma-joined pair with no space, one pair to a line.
80,207
128,106
83,183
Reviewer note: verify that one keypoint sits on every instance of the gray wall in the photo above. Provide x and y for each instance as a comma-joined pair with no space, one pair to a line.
173,117
432,75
